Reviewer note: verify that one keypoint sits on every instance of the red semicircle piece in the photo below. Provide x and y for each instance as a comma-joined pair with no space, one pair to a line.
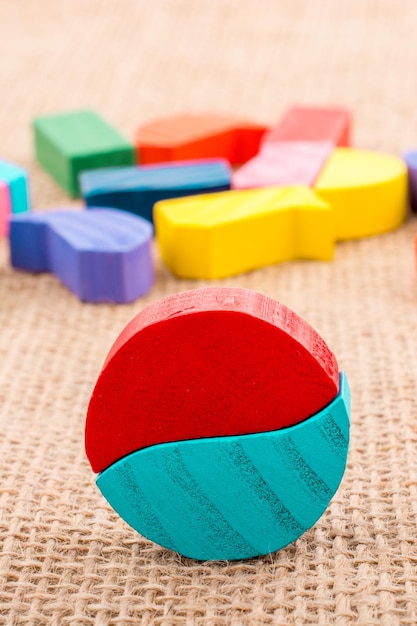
207,363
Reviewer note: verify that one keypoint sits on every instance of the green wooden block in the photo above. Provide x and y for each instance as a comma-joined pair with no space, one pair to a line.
69,143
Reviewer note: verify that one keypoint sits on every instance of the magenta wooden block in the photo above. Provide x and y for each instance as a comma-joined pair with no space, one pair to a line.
5,209
283,163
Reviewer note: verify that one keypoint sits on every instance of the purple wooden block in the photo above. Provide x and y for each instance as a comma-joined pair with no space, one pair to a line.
283,163
411,160
102,255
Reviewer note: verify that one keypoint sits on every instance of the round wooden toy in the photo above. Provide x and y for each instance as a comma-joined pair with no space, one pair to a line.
219,424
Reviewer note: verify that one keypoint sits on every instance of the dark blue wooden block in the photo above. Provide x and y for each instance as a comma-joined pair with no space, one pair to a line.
28,248
101,255
136,189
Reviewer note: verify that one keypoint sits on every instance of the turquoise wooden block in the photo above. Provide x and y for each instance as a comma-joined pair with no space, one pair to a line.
234,497
16,179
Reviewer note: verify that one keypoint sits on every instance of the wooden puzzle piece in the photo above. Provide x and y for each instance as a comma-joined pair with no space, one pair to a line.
234,497
100,255
283,163
5,209
313,123
228,233
411,160
366,190
207,363
136,189
69,143
198,136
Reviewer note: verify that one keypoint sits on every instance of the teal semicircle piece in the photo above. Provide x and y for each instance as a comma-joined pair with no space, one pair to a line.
228,498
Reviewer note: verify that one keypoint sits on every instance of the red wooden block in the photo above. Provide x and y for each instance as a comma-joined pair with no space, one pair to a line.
247,142
198,136
203,363
313,124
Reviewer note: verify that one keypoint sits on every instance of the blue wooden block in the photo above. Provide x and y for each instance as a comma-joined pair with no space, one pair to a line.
16,179
28,242
136,189
101,255
234,497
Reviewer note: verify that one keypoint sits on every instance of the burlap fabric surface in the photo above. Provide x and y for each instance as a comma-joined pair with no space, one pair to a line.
66,557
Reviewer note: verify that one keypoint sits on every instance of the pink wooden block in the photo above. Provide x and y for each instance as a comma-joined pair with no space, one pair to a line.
313,123
5,209
283,163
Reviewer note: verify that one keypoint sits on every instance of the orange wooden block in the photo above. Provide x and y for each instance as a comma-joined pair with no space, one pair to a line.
301,123
190,136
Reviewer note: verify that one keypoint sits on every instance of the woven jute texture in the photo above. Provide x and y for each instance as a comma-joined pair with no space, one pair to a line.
66,557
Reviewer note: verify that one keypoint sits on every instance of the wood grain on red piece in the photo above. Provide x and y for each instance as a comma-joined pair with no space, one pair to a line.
204,363
198,136
301,123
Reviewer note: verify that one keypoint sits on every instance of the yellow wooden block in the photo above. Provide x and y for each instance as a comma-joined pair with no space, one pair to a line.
222,234
367,191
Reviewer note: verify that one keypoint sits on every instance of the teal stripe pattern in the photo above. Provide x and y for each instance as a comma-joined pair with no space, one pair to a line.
230,498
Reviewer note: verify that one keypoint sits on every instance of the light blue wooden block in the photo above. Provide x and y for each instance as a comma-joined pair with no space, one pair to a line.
234,497
17,180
